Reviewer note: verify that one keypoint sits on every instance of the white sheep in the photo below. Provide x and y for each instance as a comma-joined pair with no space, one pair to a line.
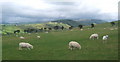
116,28
21,37
29,33
25,45
81,29
38,37
74,44
111,29
93,36
104,28
105,38
46,32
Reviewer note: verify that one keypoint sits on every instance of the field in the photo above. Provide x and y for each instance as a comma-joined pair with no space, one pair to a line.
54,45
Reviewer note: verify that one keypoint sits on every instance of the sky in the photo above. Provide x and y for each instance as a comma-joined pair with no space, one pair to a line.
15,11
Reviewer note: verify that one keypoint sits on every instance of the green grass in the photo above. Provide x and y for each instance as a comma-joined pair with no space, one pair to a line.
54,45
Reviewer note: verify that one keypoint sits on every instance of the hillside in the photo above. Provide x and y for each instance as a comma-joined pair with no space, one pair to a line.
90,21
68,21
10,28
75,23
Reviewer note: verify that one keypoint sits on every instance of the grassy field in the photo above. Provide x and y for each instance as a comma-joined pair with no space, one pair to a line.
54,45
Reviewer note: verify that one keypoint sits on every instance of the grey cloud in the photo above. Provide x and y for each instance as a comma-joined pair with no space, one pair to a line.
70,10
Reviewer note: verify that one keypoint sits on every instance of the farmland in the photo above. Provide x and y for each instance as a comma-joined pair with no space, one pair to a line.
54,45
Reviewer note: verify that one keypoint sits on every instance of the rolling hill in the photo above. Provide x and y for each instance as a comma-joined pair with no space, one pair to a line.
9,28
90,21
75,23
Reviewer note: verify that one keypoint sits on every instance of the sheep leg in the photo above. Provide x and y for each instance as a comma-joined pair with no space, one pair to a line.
97,37
20,48
28,48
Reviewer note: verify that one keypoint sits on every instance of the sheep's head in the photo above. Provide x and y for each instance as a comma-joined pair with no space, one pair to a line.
106,35
31,46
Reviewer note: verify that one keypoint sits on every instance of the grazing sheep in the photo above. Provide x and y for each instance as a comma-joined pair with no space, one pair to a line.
38,37
73,45
25,45
21,37
93,36
29,33
46,32
16,35
104,28
116,28
105,38
81,29
111,29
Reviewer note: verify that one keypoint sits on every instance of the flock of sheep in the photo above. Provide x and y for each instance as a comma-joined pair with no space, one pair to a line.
72,44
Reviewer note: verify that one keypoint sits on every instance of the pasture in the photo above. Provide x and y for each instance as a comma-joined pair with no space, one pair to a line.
54,45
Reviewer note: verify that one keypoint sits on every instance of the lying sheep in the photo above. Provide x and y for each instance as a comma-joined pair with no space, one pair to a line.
93,36
105,38
25,45
21,37
74,44
38,37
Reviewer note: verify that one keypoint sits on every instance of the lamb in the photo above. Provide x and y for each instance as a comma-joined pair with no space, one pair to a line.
21,37
105,38
38,37
25,45
74,44
93,36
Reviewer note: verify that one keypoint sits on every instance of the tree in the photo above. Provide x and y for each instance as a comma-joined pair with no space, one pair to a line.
92,25
71,27
62,27
112,23
80,26
56,27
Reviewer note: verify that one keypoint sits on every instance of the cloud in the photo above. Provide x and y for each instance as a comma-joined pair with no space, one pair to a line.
46,10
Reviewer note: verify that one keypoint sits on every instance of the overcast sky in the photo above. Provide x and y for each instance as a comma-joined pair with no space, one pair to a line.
47,10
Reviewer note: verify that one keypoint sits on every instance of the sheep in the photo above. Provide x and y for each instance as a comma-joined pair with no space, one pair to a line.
116,28
104,28
21,37
81,29
74,44
25,45
29,33
16,35
111,29
46,32
36,33
105,38
38,37
93,36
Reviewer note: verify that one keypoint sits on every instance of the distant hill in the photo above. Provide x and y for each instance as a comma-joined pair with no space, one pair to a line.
68,21
80,21
90,21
